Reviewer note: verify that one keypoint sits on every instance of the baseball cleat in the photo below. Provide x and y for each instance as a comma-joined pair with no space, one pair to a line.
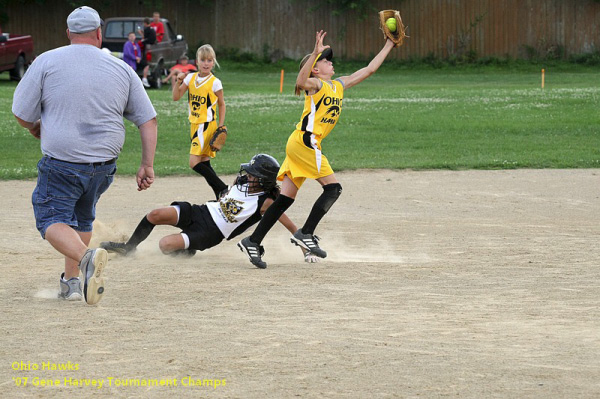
254,252
91,265
117,248
70,289
308,242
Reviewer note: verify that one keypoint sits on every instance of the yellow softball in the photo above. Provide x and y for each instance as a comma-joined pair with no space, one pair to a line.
391,24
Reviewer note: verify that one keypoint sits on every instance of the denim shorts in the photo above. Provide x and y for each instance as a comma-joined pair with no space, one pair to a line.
68,192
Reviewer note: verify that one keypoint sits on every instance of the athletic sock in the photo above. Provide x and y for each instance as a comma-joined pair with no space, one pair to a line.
330,194
271,216
142,231
204,169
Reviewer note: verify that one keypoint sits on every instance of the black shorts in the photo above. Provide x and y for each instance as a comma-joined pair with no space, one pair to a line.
197,223
142,64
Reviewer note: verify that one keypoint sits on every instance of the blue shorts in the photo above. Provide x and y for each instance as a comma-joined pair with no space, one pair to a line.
68,192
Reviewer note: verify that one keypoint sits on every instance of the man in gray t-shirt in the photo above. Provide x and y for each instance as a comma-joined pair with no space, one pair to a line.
73,99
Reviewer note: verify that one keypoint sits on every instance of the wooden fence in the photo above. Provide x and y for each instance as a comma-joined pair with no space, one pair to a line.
443,28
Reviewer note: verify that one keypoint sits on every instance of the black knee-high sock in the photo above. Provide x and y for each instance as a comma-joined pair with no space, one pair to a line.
211,177
331,192
272,215
142,231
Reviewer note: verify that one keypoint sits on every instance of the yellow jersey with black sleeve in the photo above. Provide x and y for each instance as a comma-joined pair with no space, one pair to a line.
322,110
303,156
202,100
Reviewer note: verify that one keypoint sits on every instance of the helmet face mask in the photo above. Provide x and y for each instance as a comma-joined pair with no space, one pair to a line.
248,183
259,175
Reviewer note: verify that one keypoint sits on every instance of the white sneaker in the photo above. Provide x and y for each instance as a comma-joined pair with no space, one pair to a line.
70,289
91,266
145,82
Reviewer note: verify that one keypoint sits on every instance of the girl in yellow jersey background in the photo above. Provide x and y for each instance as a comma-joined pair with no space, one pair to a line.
304,159
205,98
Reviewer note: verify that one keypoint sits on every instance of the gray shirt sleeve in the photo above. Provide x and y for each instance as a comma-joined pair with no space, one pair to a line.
139,109
27,99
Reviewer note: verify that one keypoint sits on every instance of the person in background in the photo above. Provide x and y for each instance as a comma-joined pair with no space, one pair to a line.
132,54
183,66
158,27
148,38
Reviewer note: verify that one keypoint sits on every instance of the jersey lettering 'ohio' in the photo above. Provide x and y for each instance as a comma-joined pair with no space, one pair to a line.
202,100
322,110
333,112
196,103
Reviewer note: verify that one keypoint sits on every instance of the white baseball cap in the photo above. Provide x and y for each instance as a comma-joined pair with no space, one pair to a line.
84,19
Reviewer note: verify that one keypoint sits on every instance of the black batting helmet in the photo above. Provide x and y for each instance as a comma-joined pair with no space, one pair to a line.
262,166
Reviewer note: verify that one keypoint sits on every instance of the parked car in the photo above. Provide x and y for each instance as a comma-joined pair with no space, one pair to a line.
161,56
16,53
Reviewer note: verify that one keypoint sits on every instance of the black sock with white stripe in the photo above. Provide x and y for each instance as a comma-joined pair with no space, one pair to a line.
271,216
206,170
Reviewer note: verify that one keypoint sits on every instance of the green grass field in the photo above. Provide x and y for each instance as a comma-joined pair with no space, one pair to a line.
461,118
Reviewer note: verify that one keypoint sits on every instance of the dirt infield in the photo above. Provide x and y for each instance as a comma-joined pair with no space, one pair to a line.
472,284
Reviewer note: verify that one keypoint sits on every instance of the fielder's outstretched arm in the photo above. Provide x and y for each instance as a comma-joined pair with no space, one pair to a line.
304,81
370,69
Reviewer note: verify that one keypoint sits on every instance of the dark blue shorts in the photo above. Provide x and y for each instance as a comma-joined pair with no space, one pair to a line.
68,192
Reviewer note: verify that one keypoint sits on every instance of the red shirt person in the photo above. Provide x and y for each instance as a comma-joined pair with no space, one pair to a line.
158,27
183,66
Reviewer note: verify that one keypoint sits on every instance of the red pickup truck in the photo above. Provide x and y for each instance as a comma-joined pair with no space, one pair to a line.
16,53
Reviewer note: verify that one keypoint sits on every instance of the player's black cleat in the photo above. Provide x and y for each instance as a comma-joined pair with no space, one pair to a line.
254,252
308,242
120,248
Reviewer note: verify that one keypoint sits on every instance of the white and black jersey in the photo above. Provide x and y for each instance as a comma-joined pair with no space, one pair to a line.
236,211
